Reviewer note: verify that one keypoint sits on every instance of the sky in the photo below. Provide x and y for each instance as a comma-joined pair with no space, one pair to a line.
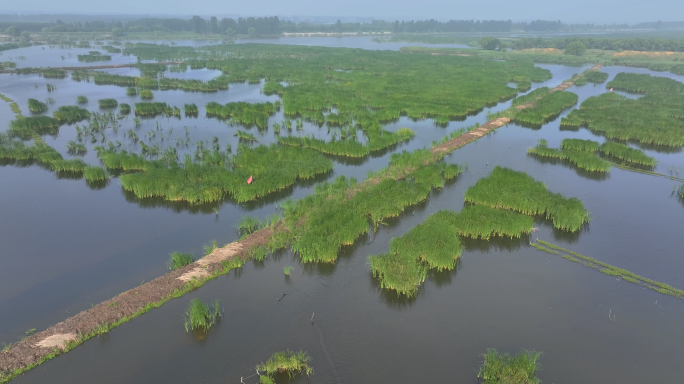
597,11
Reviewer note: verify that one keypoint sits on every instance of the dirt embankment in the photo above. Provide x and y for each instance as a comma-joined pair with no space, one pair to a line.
42,345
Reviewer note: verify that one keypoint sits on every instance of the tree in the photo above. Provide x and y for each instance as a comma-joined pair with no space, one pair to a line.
230,32
251,31
117,31
12,31
26,34
576,48
489,43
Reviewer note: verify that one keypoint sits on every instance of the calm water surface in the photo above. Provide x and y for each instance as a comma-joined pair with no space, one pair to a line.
64,246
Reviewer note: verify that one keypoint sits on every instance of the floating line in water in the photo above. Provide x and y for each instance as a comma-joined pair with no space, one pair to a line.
327,355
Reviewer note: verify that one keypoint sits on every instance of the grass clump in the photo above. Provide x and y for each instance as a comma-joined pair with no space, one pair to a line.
146,94
249,224
124,109
625,153
179,260
25,128
107,103
69,114
288,270
243,113
36,106
481,221
191,110
595,77
74,165
201,316
517,191
76,149
583,158
152,109
131,91
502,368
644,83
93,174
289,362
81,99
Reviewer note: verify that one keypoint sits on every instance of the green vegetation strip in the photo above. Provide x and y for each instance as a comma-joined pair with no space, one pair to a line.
625,153
581,158
613,271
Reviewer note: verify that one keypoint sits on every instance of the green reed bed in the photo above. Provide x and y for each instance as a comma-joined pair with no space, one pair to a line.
509,189
546,108
107,103
481,221
124,109
336,217
580,145
38,152
243,113
249,224
284,362
131,91
532,96
677,69
122,160
378,139
595,77
111,49
502,368
179,260
92,174
617,117
104,78
53,73
25,128
152,109
644,83
614,271
191,110
73,165
201,316
81,99
36,106
245,136
69,114
212,177
146,94
93,57
76,149
582,159
625,153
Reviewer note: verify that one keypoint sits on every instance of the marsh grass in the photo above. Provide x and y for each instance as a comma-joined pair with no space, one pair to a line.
81,99
580,145
146,94
502,368
70,114
27,127
288,362
517,191
584,157
546,108
644,83
287,270
201,316
36,106
625,153
107,103
179,260
248,224
595,77
94,174
124,109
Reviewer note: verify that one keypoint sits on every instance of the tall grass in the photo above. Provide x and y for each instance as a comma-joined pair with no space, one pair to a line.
583,157
544,109
201,316
76,149
625,153
509,189
595,77
36,106
146,94
179,260
25,128
107,103
502,368
249,224
289,362
93,174
124,109
69,114
81,99
579,145
644,83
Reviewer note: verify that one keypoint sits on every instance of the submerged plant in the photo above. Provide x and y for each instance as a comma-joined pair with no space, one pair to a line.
201,316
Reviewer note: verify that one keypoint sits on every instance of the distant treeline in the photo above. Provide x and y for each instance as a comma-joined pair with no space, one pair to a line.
626,44
273,25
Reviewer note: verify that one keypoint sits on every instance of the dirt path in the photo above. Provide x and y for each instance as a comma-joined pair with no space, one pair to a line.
131,65
62,337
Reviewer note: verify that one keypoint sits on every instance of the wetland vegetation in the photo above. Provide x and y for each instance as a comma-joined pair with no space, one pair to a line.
285,362
503,368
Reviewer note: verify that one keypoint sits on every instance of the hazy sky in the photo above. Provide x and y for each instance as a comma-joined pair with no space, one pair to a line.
568,11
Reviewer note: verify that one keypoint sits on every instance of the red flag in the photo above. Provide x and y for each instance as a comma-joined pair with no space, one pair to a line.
611,89
249,181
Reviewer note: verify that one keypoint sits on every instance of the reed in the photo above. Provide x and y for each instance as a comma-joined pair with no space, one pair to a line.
74,165
286,362
146,94
545,108
502,368
81,99
191,110
595,77
644,83
244,136
70,114
179,260
131,91
582,159
107,103
36,106
53,73
517,191
378,139
249,224
25,128
93,56
481,221
242,113
579,145
625,153
620,118
201,316
152,109
124,109
93,174
76,149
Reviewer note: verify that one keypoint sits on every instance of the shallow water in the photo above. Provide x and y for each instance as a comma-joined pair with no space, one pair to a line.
64,246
